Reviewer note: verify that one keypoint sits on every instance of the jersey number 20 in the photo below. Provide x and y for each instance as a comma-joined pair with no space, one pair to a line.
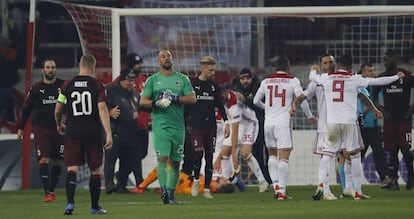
82,103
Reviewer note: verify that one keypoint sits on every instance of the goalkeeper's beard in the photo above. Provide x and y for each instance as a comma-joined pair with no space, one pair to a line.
167,66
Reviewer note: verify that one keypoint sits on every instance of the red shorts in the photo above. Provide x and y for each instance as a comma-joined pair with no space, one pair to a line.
397,135
204,139
48,143
76,150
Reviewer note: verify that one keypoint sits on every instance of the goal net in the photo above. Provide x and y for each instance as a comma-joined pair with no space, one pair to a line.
240,36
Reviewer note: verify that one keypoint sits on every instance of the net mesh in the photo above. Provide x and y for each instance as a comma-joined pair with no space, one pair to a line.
234,42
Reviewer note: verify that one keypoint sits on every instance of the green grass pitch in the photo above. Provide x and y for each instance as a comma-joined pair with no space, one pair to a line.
249,204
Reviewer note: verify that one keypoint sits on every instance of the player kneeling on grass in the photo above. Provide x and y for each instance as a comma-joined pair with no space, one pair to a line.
219,184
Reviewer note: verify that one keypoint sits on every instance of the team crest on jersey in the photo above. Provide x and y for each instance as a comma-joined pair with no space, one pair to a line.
177,82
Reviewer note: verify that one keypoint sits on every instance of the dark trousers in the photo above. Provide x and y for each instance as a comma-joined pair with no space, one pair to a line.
373,137
127,160
187,166
109,165
261,154
142,152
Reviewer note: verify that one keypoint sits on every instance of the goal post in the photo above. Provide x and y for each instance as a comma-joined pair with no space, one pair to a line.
257,34
293,12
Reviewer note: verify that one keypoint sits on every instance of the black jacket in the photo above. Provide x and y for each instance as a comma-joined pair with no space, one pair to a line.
125,127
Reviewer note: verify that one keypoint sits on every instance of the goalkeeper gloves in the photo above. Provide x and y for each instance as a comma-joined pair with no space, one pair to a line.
161,101
172,97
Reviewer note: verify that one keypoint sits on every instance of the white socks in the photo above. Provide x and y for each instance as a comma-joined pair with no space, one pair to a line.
324,168
254,166
273,165
356,168
283,175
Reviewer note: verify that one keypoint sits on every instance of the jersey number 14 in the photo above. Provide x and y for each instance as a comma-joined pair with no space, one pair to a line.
274,92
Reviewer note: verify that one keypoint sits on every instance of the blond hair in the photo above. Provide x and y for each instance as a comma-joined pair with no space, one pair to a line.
88,61
207,60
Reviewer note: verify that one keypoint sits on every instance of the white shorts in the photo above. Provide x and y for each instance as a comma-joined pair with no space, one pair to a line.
278,137
247,134
318,145
219,136
343,137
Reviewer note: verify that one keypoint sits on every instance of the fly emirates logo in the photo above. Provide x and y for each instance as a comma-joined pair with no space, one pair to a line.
393,89
205,96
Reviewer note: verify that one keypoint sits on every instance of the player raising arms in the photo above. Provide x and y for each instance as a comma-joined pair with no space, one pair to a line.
279,91
341,92
313,89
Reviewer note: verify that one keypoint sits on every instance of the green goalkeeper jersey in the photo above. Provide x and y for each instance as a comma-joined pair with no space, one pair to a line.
172,116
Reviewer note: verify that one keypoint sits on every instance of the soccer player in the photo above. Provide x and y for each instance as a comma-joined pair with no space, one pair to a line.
41,102
315,90
397,119
166,92
83,99
202,121
218,183
278,91
244,131
341,91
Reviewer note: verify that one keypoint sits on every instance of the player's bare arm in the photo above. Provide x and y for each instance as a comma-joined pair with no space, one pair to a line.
296,104
188,99
58,118
367,102
145,102
234,141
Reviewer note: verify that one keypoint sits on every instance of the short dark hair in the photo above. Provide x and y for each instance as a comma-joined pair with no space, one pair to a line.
365,65
392,55
46,60
325,55
227,188
345,61
282,63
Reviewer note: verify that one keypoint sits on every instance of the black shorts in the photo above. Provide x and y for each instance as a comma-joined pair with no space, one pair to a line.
76,150
397,135
204,139
48,143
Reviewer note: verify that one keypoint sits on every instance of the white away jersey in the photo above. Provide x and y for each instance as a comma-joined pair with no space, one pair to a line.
316,90
341,92
279,91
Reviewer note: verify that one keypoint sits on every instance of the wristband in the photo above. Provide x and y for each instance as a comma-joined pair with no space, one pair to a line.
174,98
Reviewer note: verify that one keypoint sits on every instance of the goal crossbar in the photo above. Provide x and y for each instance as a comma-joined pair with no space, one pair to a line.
305,12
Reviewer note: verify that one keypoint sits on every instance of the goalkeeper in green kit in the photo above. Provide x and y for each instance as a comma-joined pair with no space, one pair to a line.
166,91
